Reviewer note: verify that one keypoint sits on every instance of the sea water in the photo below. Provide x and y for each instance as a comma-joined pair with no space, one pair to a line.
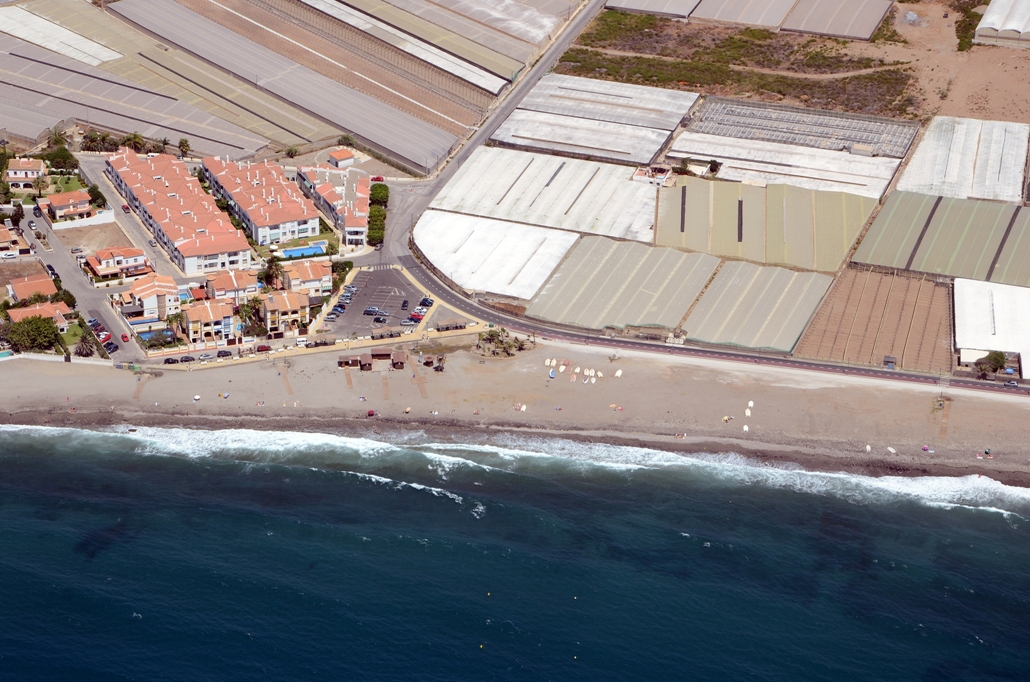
173,554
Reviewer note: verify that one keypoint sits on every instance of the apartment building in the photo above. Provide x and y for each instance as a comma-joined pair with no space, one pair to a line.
264,199
238,286
183,218
342,195
313,277
209,321
152,298
285,312
119,262
65,205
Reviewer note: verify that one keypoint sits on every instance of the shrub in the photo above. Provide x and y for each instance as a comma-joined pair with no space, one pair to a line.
33,333
379,195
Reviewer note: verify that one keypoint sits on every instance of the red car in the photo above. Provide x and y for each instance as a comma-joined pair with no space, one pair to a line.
416,317
103,337
377,178
125,338
125,208
264,349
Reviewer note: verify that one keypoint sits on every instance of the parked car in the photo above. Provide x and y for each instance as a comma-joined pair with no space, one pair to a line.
8,255
125,338
152,242
111,347
421,310
380,320
99,329
426,302
408,322
187,358
36,211
416,316
377,178
104,337
320,343
225,353
171,361
50,269
371,310
264,349
125,208
404,304
77,249
206,356
32,224
331,317
1012,384
384,313
92,322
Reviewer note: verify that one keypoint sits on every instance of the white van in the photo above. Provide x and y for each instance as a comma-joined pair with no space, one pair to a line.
302,341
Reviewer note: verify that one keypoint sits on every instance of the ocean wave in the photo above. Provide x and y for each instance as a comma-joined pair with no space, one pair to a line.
549,457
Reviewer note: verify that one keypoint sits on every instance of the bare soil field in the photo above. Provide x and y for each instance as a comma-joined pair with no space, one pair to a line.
94,237
869,315
909,69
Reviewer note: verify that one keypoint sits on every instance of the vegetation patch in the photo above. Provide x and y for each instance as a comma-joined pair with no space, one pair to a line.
966,21
614,31
883,92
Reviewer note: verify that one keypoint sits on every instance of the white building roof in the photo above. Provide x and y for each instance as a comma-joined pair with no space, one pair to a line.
31,28
759,162
549,191
967,158
991,316
588,98
546,132
845,18
486,255
1006,20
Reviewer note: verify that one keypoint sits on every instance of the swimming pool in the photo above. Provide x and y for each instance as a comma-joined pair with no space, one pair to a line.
312,249
147,336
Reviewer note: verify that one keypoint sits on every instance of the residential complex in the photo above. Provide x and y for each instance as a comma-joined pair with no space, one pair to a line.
239,286
184,219
342,195
284,311
309,276
263,199
208,321
150,299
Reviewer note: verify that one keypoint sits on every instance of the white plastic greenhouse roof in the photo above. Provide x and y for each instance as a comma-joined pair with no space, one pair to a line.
991,316
764,13
1005,22
616,142
427,52
760,162
550,191
483,255
680,9
587,98
966,158
31,28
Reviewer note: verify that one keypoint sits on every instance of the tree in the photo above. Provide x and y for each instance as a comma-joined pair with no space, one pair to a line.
64,296
272,275
61,159
184,146
292,152
96,196
86,346
134,141
345,140
33,333
19,213
91,142
57,137
5,192
995,360
379,195
40,183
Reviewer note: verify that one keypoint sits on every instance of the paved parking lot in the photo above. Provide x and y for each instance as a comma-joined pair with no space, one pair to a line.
386,289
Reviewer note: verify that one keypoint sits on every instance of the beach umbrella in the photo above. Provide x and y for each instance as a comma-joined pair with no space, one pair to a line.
751,403
561,369
745,428
618,373
892,451
196,398
747,412
600,376
576,371
593,380
547,362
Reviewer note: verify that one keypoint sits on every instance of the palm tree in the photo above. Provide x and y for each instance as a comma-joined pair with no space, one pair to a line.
135,141
40,183
85,347
91,142
273,272
184,146
57,137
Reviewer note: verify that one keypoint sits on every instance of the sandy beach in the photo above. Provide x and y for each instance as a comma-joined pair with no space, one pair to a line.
819,420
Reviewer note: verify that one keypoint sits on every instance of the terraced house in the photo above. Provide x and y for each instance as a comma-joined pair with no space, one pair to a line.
342,195
209,321
284,313
264,199
184,220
